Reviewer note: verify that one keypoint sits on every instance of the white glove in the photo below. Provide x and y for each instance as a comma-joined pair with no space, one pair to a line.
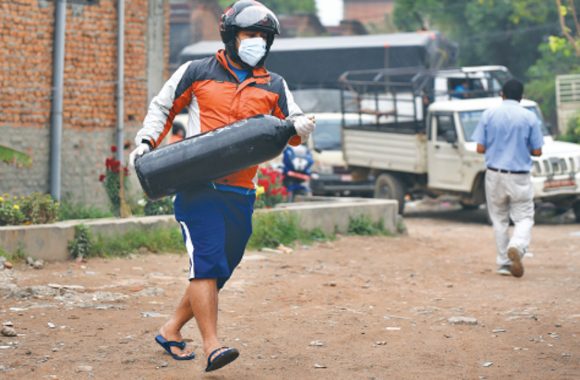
304,126
138,152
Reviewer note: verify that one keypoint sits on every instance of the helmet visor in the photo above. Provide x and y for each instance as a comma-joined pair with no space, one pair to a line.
259,17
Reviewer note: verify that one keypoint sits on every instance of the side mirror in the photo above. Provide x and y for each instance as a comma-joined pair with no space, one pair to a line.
450,137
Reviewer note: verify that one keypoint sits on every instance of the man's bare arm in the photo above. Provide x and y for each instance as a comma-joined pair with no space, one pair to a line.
481,149
537,152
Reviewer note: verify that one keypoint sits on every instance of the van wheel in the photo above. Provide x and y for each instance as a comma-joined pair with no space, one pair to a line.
576,208
388,186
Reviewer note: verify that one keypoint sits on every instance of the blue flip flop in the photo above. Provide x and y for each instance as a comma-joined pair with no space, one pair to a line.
167,344
223,358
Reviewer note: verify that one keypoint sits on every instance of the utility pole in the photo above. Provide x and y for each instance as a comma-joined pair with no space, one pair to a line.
57,95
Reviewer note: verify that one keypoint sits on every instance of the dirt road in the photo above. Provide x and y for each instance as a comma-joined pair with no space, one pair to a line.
354,308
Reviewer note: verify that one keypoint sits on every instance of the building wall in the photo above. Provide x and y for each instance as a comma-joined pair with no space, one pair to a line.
89,98
367,11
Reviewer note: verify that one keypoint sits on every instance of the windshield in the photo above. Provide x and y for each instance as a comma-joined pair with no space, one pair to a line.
470,119
327,135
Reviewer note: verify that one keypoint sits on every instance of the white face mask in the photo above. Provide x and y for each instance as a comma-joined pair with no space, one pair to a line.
252,50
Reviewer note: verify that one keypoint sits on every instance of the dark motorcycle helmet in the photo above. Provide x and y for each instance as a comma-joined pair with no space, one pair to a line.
247,15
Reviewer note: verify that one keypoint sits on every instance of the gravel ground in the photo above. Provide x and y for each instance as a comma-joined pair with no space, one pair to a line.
427,305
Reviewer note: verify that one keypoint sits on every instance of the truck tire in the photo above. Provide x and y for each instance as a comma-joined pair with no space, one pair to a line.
388,186
576,208
468,206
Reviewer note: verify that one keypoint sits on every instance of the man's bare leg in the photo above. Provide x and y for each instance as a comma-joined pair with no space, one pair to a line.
203,297
171,330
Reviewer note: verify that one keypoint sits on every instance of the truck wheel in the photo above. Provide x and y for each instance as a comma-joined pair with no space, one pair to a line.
576,208
468,207
388,186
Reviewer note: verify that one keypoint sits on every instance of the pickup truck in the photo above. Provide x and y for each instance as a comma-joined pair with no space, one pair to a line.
409,155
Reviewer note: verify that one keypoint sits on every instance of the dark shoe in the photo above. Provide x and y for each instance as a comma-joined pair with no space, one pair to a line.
517,267
167,344
225,357
504,270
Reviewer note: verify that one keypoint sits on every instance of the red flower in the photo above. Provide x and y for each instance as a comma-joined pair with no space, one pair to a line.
102,178
264,183
113,148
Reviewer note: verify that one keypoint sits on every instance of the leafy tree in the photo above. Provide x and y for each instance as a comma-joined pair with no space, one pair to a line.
283,6
557,57
572,37
505,32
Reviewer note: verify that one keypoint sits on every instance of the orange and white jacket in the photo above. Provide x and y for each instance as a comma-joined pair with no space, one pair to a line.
214,98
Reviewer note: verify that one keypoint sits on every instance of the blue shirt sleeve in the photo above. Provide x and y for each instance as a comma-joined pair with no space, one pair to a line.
536,135
479,133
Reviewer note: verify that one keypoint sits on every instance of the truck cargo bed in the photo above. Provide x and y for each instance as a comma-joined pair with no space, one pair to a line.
381,148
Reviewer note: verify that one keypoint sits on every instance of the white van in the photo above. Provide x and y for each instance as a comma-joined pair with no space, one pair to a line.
330,173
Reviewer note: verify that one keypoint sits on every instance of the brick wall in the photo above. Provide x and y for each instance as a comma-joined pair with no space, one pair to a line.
367,11
89,108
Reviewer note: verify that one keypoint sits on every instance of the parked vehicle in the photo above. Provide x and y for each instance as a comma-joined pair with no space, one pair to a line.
331,176
317,62
409,155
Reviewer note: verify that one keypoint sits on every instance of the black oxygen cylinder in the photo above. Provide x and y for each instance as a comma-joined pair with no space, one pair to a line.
202,158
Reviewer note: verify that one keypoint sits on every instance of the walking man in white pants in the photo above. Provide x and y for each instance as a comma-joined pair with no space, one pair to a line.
509,135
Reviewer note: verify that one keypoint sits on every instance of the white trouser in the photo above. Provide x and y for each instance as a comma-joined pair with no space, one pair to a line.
510,195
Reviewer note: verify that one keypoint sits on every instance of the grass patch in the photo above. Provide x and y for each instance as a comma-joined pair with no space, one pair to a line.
14,257
269,230
364,226
274,228
155,240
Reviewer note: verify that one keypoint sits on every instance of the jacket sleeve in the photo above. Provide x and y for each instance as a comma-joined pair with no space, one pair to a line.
163,109
287,108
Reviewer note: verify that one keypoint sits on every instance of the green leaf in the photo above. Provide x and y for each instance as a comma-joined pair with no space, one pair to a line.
14,157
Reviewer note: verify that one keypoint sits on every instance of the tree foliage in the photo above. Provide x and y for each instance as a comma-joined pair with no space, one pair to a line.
504,32
285,7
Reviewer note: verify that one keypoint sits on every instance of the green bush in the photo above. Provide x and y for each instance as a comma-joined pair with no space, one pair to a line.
363,225
70,210
572,131
32,209
39,208
81,245
163,206
10,213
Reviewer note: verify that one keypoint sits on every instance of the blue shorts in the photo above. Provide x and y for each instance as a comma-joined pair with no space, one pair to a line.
216,226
